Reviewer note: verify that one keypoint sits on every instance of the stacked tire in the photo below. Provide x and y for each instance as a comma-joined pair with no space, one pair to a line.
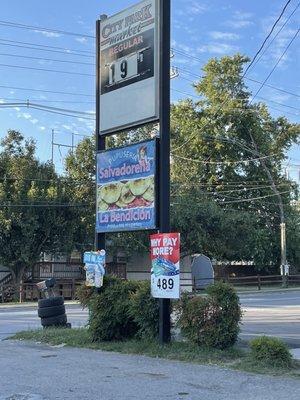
52,312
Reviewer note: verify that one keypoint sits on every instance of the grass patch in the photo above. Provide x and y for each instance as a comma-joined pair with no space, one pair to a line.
234,357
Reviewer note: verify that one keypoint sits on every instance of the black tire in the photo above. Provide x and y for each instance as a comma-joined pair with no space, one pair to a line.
51,302
59,320
51,311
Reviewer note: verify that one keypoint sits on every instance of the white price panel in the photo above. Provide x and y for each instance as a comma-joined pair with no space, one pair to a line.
129,67
126,68
165,287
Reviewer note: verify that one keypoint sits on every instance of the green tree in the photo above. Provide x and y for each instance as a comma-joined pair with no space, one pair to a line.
228,193
35,214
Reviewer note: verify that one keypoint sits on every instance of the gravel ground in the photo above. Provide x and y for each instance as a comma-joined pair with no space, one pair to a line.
34,372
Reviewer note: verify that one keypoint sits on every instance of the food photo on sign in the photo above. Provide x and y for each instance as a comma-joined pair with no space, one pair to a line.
126,188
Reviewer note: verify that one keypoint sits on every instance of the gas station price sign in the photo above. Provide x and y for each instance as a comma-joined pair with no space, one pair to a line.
129,68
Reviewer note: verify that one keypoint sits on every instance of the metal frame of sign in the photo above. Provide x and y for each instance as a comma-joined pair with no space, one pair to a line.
143,80
155,208
163,162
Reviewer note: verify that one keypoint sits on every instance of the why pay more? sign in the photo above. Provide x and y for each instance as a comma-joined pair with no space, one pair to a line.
165,271
129,67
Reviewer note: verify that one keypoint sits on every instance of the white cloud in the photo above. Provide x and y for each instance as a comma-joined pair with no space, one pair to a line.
217,48
48,34
81,40
42,128
240,20
224,35
196,8
2,101
26,115
34,121
67,127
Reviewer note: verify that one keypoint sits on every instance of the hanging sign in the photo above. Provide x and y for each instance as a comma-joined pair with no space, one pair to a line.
129,68
165,271
95,267
126,188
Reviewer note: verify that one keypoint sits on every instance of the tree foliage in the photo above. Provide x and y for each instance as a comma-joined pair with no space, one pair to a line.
227,156
33,214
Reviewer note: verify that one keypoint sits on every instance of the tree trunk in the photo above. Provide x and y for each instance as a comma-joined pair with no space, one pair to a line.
17,274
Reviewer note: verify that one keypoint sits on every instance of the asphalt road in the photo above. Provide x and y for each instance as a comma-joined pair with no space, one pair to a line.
37,372
19,318
274,314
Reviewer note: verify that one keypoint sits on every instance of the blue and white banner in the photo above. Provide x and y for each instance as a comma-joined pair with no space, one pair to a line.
126,188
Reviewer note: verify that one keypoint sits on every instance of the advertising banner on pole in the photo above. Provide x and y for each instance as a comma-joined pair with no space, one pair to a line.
165,271
126,188
129,68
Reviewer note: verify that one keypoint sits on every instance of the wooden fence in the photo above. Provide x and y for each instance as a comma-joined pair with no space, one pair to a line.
30,292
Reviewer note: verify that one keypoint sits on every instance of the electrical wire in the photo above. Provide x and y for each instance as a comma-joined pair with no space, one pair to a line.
46,59
275,66
267,37
43,29
279,31
46,91
66,49
43,108
53,108
47,50
223,162
45,70
254,198
45,101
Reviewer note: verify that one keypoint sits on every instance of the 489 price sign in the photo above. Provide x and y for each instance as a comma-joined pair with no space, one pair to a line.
165,271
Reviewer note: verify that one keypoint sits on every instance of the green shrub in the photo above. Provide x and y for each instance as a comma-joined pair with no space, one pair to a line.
211,321
110,317
84,294
144,310
271,352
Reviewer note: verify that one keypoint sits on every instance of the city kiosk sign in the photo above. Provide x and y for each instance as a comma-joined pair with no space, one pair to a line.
129,68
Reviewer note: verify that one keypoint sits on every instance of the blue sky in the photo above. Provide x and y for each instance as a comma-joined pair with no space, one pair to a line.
203,29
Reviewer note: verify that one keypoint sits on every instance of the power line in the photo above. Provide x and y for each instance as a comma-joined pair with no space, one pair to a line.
249,79
47,50
45,101
45,70
44,205
45,59
275,66
42,108
223,162
67,50
46,91
43,29
279,31
266,39
254,198
52,108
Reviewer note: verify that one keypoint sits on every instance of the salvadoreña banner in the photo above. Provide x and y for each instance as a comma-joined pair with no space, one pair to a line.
126,188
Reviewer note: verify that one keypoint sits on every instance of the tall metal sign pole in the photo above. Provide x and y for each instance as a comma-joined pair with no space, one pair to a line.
100,140
164,152
133,89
